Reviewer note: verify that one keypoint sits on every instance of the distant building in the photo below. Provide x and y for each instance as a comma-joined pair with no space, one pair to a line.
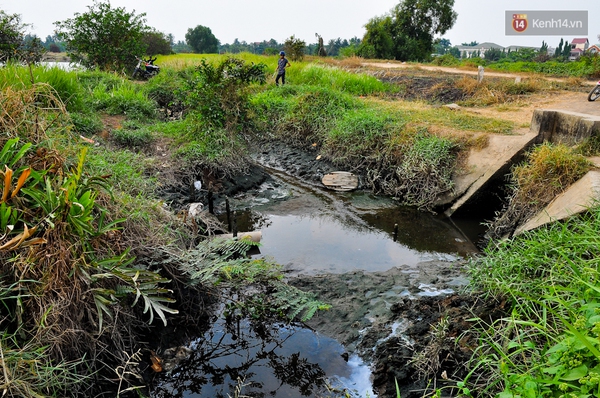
480,49
578,47
581,43
593,49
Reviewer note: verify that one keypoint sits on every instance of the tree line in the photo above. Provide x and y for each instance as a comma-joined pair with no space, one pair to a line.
109,37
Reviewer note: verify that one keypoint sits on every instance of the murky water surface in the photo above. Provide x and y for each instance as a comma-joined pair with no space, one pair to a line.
284,361
311,231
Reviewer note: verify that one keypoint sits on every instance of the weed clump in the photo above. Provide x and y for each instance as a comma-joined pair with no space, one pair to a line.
548,171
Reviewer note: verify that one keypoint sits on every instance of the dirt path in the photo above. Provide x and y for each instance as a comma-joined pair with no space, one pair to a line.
447,69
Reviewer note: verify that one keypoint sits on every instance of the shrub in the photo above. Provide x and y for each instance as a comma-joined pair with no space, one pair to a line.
134,139
446,60
219,92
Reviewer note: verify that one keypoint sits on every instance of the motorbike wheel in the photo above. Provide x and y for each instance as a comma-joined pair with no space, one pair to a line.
594,94
135,72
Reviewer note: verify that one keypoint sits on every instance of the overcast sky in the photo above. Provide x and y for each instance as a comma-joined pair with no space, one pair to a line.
258,20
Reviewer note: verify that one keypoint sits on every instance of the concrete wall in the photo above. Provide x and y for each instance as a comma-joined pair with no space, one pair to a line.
569,128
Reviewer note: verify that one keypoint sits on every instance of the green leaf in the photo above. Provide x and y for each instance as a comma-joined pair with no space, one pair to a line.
575,374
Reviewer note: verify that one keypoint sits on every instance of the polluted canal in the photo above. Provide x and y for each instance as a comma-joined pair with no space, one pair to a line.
356,251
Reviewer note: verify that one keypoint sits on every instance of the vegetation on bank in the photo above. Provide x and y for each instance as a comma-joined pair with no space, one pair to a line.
549,342
117,259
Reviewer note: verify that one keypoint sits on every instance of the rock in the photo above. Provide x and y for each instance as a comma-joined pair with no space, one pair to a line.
452,106
195,209
340,181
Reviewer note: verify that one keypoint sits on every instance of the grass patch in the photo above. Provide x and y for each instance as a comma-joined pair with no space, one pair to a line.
548,345
63,84
549,170
122,99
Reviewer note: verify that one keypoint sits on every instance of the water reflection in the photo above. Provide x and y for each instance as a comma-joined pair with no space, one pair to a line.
311,230
265,361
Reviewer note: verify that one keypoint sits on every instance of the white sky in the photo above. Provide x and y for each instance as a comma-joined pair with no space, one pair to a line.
258,20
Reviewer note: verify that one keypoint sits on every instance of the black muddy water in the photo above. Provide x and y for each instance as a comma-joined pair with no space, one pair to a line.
312,231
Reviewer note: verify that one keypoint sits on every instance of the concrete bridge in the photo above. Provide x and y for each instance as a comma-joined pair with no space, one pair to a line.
568,123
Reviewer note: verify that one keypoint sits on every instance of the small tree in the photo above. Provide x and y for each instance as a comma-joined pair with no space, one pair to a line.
294,48
566,50
202,40
559,50
156,43
104,37
219,93
14,44
321,52
11,35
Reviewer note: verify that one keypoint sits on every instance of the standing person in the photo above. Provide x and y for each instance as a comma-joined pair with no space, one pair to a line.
282,63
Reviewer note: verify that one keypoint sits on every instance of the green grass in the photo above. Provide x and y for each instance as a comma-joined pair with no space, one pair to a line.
336,79
64,83
548,344
122,99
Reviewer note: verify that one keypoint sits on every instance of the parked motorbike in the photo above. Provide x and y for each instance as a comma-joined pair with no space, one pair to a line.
145,68
595,93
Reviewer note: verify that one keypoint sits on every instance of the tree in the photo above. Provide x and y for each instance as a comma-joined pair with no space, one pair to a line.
104,37
559,50
410,26
13,43
442,46
566,50
416,23
471,44
321,52
494,54
202,40
294,48
455,52
157,43
378,41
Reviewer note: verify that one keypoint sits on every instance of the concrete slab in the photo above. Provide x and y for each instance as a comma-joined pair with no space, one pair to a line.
576,199
485,165
563,126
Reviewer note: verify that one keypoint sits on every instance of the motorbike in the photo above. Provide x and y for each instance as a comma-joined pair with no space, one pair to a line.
595,93
145,68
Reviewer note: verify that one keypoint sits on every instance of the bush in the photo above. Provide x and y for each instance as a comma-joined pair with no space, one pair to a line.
133,139
446,60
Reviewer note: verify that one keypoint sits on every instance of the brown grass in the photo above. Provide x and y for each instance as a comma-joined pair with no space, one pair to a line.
29,112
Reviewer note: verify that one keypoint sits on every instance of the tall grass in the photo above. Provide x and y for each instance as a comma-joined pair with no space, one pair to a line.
336,79
64,83
122,99
549,344
300,73
549,170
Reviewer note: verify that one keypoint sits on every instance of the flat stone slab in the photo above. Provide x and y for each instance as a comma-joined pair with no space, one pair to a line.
340,181
578,198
